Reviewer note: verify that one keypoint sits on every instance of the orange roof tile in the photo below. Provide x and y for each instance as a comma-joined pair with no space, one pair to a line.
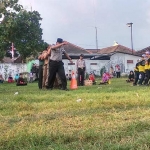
113,49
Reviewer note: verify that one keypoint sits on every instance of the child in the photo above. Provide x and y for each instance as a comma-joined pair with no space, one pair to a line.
105,78
130,77
20,81
10,79
16,77
31,77
92,77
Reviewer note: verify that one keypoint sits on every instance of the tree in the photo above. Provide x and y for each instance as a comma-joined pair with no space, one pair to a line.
28,34
21,27
8,9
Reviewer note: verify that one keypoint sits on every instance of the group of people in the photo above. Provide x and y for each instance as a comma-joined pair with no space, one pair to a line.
10,79
141,74
52,74
18,79
51,67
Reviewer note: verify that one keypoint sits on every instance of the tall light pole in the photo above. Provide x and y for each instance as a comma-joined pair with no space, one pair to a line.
130,25
95,36
96,40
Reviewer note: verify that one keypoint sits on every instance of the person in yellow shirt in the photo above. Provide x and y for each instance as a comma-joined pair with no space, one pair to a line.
136,73
147,71
141,70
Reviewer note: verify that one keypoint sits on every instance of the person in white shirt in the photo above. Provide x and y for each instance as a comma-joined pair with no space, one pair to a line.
81,68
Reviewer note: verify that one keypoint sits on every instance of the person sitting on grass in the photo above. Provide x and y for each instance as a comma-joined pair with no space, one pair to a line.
105,78
16,77
130,77
10,79
92,77
1,79
20,81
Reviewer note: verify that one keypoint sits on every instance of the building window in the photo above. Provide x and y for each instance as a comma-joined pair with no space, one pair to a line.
130,61
71,63
93,63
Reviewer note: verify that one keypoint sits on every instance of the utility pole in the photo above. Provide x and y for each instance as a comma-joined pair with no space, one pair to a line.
12,50
31,6
96,40
130,25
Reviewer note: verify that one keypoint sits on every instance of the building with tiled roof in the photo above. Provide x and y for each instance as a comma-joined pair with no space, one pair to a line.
118,54
114,49
74,49
141,52
74,52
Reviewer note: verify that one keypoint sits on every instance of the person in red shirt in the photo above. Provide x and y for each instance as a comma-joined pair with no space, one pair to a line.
10,79
92,77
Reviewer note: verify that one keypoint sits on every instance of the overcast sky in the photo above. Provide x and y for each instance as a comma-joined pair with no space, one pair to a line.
75,21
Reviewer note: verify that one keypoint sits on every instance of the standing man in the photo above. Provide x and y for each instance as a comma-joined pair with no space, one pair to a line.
56,64
118,71
81,70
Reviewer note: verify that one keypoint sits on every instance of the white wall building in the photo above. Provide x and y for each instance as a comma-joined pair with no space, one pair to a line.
91,65
95,60
12,69
127,63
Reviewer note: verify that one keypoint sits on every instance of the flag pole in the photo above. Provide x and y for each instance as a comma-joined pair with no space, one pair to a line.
12,48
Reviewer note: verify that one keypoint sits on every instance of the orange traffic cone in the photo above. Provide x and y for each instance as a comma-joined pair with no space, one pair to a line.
73,84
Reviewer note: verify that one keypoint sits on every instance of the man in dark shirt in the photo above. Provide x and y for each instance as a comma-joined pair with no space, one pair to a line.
20,81
41,63
56,64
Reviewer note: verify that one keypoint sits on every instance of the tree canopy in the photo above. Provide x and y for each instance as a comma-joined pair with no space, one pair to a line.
20,27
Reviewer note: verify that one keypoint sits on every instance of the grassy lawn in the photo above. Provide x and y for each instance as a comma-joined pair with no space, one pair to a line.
108,117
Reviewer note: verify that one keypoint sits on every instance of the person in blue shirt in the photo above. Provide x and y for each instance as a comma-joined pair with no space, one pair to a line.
16,77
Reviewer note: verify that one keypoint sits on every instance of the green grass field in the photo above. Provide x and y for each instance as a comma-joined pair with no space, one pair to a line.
108,117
